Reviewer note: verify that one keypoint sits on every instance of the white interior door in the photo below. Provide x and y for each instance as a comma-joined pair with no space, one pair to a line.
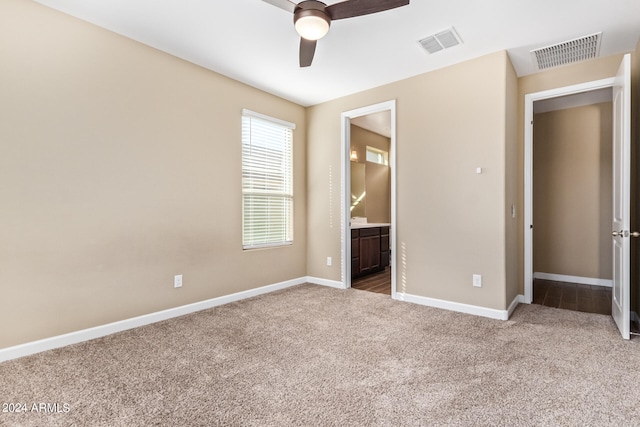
621,196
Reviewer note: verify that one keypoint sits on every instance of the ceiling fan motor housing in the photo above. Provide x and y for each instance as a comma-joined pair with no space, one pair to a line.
311,11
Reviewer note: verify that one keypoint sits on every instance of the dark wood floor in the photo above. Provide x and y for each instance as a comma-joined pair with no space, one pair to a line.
572,296
377,282
568,296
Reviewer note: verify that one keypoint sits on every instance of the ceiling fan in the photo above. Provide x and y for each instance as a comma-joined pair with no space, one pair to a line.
312,18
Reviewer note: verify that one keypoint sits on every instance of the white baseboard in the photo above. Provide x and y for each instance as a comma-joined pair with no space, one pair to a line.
432,302
459,307
574,279
325,282
519,299
58,341
123,325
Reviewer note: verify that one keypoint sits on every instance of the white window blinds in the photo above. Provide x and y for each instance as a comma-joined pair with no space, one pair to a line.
267,181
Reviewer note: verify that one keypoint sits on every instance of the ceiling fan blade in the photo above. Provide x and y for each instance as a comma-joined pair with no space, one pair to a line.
352,8
307,50
282,4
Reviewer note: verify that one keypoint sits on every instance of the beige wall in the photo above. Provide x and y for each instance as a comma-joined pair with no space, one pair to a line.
119,168
117,173
572,196
450,220
377,177
512,191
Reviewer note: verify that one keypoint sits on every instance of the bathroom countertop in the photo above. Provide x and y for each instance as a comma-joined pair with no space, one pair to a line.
370,225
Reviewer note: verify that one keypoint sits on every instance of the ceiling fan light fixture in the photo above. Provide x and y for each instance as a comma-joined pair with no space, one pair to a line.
312,24
312,18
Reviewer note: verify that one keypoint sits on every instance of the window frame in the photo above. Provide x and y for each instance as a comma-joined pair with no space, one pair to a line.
252,171
381,154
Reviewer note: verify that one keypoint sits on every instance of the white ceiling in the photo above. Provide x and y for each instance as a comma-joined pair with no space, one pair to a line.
379,123
255,42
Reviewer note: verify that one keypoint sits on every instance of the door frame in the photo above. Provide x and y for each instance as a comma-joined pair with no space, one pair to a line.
345,228
529,99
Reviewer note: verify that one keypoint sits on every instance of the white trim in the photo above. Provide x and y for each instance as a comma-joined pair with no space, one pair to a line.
345,200
325,282
456,306
83,335
135,322
519,299
574,279
529,99
249,113
345,120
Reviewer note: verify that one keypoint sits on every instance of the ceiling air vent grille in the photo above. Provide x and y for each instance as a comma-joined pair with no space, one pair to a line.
443,40
569,52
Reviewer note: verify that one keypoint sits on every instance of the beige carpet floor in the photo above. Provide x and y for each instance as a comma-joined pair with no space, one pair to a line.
316,356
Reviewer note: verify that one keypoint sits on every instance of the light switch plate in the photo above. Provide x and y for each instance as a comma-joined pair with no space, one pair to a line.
477,280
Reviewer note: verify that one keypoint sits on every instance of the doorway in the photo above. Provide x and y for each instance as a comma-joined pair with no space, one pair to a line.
620,87
572,202
376,236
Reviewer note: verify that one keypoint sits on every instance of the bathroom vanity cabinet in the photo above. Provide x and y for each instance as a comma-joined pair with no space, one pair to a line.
369,249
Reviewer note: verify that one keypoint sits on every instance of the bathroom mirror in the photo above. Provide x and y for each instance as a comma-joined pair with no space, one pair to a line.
358,190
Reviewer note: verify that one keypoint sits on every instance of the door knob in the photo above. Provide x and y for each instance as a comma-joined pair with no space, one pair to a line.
622,233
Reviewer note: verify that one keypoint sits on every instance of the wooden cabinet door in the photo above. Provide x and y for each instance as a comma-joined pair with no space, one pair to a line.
369,253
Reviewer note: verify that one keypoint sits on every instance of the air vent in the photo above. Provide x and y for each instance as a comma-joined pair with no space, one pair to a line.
569,52
443,40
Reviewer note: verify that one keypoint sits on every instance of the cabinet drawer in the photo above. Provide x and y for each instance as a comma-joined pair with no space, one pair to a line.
355,233
384,230
373,231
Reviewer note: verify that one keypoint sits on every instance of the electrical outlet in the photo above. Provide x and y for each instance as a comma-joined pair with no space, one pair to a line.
177,281
477,280
329,261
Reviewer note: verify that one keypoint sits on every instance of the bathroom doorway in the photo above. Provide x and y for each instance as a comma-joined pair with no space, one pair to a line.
368,208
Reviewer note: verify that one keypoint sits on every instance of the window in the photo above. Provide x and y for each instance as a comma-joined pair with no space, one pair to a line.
375,155
267,181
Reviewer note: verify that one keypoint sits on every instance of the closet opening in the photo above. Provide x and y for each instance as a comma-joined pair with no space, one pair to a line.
572,202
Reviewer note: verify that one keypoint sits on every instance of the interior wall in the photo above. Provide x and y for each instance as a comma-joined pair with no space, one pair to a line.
450,220
120,168
572,191
377,177
511,211
583,72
